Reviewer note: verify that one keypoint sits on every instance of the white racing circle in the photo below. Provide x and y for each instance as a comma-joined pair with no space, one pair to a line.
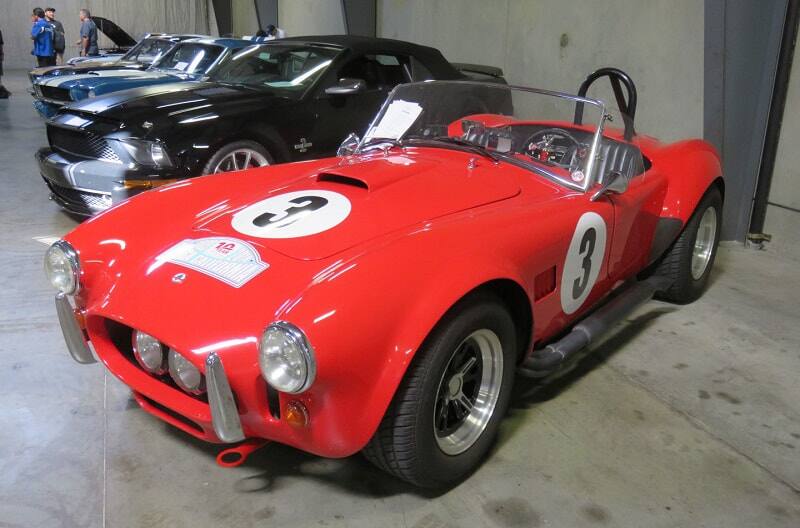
292,215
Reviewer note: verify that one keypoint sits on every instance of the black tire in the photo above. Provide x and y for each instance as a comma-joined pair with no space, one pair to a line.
676,264
405,443
224,151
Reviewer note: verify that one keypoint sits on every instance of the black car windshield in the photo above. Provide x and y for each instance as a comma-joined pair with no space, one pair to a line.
190,57
287,68
148,50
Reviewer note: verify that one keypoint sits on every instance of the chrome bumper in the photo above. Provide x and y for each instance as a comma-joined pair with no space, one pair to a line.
224,415
76,341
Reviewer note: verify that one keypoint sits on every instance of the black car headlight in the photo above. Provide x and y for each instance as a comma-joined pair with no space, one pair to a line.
62,267
146,152
286,358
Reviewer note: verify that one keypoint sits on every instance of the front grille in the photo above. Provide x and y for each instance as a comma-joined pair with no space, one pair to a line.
81,199
81,143
55,93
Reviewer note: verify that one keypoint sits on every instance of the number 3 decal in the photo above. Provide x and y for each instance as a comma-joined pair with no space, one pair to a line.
584,258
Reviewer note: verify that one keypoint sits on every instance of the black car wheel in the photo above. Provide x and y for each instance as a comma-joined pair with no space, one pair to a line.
690,259
446,411
236,156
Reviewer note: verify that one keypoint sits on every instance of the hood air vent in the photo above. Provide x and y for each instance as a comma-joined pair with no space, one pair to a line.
344,180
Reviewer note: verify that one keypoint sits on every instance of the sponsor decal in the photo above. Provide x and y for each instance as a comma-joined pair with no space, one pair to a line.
292,215
583,261
229,260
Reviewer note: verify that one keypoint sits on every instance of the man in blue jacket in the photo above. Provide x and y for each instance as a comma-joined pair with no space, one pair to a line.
42,36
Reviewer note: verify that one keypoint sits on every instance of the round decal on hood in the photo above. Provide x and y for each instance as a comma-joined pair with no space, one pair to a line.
292,215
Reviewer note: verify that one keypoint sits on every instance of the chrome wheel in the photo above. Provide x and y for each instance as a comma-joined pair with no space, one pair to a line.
468,392
704,242
241,159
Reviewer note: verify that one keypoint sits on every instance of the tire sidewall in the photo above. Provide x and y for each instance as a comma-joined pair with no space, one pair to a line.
434,465
230,147
695,287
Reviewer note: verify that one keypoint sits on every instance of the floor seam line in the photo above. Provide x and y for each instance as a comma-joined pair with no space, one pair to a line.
701,426
105,441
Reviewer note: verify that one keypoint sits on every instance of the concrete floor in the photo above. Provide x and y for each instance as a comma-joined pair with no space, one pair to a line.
686,416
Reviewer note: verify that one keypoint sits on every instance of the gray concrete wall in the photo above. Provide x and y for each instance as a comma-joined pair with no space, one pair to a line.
783,216
554,44
310,17
135,17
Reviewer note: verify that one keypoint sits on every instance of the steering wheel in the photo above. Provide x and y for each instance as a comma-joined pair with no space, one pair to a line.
555,146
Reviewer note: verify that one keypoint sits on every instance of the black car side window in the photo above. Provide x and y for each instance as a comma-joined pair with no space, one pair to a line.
379,72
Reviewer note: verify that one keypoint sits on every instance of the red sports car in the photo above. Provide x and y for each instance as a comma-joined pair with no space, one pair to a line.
383,300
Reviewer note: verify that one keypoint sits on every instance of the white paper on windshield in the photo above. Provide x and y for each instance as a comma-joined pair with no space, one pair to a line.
181,66
397,119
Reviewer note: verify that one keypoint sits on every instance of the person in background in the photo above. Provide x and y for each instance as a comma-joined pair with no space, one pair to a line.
88,41
274,32
3,92
59,42
42,36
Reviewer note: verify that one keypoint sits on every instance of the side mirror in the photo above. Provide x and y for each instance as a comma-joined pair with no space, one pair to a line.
347,86
349,145
615,183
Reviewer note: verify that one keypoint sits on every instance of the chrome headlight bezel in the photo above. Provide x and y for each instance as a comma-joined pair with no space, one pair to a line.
178,366
70,257
300,346
139,346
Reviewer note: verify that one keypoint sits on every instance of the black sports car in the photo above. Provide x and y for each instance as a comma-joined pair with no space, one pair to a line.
286,100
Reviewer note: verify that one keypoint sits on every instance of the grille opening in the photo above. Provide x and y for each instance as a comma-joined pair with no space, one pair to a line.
344,180
80,199
121,335
81,143
172,414
273,401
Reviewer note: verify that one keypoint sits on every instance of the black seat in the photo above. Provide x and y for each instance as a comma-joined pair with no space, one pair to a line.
616,156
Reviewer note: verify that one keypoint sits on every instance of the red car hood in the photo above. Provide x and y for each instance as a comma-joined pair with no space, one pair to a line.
386,193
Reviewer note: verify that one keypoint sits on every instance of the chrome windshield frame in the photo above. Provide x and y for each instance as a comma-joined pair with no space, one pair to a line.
591,178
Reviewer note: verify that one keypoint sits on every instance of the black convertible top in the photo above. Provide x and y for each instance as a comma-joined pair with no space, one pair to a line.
431,57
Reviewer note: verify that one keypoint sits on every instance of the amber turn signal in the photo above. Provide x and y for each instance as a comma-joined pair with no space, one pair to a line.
296,414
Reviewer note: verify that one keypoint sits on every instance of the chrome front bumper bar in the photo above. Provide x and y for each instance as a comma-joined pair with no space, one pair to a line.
224,414
73,334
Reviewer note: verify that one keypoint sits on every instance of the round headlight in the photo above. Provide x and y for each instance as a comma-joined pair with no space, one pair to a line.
149,353
62,267
185,374
286,358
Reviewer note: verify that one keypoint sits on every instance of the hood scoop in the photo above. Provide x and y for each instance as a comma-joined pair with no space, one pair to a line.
343,180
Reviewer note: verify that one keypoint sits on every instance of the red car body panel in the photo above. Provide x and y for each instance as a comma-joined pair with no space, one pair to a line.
427,226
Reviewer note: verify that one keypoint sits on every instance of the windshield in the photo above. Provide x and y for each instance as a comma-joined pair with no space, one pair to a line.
190,57
533,129
289,68
148,50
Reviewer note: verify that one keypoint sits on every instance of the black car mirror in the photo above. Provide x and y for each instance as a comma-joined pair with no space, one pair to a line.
349,145
346,86
615,183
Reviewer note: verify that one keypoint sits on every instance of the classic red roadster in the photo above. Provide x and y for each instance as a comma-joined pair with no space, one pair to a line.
383,300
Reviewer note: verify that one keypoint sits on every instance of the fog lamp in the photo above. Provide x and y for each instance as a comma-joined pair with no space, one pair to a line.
186,375
149,353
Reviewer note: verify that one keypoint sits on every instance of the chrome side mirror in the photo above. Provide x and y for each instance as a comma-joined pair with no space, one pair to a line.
349,145
347,86
615,183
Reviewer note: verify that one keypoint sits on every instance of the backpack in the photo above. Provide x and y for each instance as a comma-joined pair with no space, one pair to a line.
59,42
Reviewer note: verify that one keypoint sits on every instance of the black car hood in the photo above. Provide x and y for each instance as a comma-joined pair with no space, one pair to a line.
180,101
117,35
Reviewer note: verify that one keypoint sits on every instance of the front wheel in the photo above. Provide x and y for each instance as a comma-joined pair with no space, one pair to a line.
690,259
446,411
236,156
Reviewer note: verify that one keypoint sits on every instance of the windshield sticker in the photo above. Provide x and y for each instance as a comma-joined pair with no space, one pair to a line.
584,258
397,119
292,215
229,260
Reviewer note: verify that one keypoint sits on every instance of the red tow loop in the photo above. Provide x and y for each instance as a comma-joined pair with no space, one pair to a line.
236,456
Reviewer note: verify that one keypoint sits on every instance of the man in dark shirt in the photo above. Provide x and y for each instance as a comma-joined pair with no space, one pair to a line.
59,42
42,36
3,92
88,41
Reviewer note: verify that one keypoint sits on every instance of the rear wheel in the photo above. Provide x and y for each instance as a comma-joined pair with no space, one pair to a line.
446,411
690,259
239,155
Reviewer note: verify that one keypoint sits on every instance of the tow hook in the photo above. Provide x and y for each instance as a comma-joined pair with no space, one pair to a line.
236,456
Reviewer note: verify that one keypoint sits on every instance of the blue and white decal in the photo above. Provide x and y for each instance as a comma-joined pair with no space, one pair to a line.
229,260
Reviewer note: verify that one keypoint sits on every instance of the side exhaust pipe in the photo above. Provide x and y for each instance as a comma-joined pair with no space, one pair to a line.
547,360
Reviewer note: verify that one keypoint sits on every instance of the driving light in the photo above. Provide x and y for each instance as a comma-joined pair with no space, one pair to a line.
146,152
62,267
185,374
286,358
149,353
